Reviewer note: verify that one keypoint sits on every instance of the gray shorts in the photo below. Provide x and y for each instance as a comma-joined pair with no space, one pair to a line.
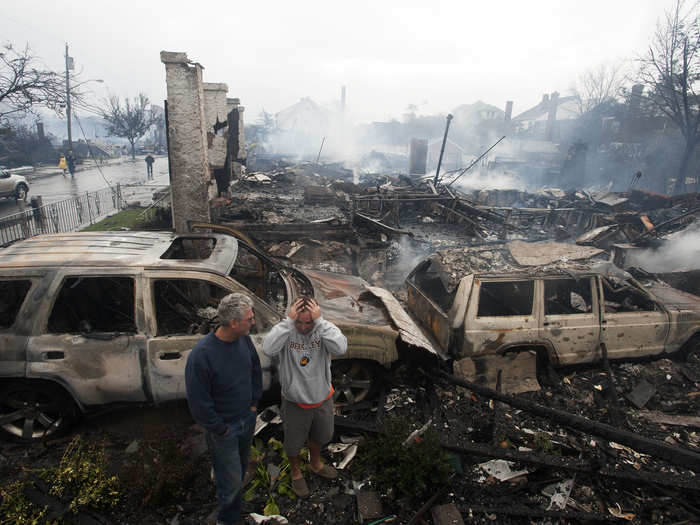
299,423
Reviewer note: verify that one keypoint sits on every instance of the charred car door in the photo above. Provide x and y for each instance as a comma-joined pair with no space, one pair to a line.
500,314
571,318
180,310
633,324
90,336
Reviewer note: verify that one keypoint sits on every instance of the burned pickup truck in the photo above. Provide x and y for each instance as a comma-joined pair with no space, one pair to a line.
95,319
561,301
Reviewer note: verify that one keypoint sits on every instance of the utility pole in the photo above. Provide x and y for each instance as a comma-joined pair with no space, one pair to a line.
442,150
69,65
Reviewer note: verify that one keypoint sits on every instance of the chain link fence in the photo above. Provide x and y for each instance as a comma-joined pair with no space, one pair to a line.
61,216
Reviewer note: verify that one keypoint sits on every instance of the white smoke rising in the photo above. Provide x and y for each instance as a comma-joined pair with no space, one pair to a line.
680,253
491,180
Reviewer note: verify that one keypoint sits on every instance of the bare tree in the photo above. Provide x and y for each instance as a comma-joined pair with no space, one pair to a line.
599,86
24,85
130,120
670,70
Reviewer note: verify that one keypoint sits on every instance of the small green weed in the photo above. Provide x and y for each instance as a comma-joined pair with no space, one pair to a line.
263,482
80,481
411,473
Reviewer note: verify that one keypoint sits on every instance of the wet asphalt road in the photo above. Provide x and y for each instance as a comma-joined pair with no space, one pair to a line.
89,177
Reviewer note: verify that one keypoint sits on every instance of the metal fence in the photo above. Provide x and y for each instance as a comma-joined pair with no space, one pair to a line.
61,216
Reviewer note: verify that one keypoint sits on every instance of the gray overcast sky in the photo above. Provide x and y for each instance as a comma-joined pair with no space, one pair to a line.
435,54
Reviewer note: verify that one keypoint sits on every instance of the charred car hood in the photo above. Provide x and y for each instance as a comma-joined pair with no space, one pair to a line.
348,299
675,299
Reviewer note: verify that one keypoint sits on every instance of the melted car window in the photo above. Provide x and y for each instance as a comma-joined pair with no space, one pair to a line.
260,277
431,283
12,294
94,304
505,298
188,306
567,296
625,297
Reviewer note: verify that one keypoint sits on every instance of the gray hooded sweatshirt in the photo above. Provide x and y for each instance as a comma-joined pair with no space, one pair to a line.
305,360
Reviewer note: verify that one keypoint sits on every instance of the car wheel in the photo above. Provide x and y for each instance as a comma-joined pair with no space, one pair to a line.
691,351
32,411
354,380
21,192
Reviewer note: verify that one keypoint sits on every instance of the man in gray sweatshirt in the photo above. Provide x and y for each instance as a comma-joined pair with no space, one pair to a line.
305,342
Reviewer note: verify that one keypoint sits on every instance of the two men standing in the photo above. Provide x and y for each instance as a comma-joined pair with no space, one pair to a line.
224,383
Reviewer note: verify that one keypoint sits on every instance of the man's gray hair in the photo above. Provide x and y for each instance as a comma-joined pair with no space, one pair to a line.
233,308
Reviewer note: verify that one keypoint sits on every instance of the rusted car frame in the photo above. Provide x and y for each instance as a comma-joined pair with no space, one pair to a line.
567,313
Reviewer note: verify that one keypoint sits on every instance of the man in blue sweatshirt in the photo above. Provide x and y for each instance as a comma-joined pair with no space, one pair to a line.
305,342
224,384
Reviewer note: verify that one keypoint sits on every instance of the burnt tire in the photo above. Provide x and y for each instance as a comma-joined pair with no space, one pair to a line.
32,411
355,380
690,352
21,192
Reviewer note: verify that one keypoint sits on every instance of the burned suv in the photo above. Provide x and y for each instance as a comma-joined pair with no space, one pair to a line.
563,301
94,319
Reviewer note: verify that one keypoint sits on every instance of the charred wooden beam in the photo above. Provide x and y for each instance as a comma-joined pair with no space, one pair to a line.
476,228
381,226
574,465
543,460
675,455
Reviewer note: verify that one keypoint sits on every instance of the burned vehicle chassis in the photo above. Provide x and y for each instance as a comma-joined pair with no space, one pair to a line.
89,320
561,316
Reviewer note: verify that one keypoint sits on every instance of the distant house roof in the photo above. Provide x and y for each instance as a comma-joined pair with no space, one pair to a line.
304,114
477,112
567,109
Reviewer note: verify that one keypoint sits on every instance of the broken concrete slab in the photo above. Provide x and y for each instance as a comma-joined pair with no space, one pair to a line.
519,371
641,394
368,505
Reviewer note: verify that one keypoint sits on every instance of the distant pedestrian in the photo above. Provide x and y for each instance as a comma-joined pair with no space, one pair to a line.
70,160
149,166
62,164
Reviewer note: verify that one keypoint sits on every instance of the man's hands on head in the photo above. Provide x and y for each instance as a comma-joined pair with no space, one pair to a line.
313,308
305,304
296,308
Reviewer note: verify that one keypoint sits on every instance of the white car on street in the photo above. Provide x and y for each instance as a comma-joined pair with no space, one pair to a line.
13,185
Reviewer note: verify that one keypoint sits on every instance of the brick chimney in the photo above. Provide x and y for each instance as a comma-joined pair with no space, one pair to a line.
552,115
509,111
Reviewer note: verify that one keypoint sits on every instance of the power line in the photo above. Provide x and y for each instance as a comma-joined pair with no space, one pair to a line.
110,184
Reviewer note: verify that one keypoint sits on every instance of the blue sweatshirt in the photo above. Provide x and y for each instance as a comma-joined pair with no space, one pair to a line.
223,381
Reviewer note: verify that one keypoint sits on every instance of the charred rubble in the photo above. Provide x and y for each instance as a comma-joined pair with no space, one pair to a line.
380,227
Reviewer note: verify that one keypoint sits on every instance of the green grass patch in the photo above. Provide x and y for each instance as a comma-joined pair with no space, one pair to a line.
126,219
131,219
